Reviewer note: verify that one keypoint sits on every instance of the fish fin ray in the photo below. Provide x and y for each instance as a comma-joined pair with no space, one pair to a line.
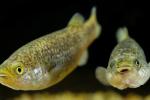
101,75
122,34
84,58
76,20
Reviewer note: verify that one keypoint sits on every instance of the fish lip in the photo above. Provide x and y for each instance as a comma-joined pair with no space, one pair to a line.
2,75
124,69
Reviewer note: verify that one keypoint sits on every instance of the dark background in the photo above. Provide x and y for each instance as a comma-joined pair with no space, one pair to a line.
24,20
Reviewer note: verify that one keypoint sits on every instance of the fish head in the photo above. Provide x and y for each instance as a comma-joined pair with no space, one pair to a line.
22,76
11,74
127,72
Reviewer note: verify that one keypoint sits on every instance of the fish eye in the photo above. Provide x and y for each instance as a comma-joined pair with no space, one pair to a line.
18,67
19,70
137,63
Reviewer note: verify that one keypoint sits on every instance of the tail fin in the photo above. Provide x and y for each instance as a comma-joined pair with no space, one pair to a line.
92,23
122,34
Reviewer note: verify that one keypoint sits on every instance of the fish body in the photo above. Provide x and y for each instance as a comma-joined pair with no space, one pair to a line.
47,60
127,66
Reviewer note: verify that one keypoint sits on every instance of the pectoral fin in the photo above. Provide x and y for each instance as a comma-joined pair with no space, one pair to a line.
101,73
83,59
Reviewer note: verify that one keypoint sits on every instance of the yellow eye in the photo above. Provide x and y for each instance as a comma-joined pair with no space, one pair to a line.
19,70
18,67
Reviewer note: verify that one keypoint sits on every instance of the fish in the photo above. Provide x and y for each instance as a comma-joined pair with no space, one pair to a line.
127,66
48,59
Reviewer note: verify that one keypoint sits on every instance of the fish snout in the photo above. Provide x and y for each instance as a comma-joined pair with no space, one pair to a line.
124,69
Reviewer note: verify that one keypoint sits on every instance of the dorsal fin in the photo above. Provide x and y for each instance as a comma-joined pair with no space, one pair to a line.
76,20
122,34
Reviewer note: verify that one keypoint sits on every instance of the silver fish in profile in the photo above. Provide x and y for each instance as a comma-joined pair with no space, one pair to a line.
127,67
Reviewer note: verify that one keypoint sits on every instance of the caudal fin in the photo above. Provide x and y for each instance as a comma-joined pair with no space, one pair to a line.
92,23
122,34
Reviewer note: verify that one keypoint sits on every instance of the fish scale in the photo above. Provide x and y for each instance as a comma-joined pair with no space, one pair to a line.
127,66
47,60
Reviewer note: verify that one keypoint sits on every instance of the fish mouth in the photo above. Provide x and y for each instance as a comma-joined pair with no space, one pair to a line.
124,77
124,69
2,75
128,79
